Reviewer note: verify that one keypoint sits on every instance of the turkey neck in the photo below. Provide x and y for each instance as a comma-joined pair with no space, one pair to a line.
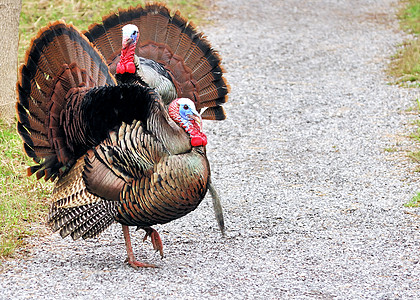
126,63
170,134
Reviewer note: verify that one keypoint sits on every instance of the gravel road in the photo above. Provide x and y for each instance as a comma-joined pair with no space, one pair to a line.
313,201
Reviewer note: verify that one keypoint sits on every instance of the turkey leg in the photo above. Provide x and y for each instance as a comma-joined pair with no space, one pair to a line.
130,256
156,241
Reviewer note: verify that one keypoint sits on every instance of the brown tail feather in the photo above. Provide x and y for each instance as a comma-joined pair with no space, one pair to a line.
83,221
214,113
172,41
59,58
77,212
97,223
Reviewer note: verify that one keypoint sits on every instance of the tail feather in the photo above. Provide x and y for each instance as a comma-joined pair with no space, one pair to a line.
98,227
59,58
66,220
212,78
89,220
215,93
32,137
27,120
77,212
102,42
214,113
40,155
147,22
33,105
197,50
174,31
93,225
83,216
157,21
114,32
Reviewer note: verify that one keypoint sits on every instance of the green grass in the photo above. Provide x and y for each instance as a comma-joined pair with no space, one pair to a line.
405,66
23,200
415,155
390,150
410,17
414,202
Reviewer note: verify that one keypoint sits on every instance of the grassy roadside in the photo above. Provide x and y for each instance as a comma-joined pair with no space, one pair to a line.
23,200
415,156
405,67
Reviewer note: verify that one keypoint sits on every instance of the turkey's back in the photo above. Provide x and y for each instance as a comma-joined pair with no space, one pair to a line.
157,77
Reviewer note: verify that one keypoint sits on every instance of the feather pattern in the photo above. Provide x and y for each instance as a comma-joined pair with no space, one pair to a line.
49,73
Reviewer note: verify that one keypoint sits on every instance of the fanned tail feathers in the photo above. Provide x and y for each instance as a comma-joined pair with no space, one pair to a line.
85,221
59,58
175,43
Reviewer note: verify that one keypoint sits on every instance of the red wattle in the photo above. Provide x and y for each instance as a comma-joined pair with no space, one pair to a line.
130,67
120,68
198,141
126,63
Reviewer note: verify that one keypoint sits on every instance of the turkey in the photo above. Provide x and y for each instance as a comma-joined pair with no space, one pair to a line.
164,51
116,151
167,54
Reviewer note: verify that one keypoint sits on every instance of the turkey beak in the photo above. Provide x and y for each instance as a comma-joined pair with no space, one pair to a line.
197,118
127,42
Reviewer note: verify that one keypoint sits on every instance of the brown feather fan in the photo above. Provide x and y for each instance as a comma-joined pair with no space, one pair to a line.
57,61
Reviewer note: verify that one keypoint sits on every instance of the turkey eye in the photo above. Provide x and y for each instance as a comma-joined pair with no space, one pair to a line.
186,106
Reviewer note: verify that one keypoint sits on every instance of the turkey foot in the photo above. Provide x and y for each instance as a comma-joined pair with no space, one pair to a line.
155,238
130,256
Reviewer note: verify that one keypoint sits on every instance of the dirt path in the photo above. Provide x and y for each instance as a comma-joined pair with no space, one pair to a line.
313,202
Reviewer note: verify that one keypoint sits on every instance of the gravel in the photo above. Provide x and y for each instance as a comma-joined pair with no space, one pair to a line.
313,201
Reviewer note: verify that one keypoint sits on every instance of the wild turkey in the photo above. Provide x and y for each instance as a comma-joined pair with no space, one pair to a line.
168,54
115,151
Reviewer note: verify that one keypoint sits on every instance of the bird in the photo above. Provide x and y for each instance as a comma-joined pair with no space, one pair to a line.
165,51
153,47
115,151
